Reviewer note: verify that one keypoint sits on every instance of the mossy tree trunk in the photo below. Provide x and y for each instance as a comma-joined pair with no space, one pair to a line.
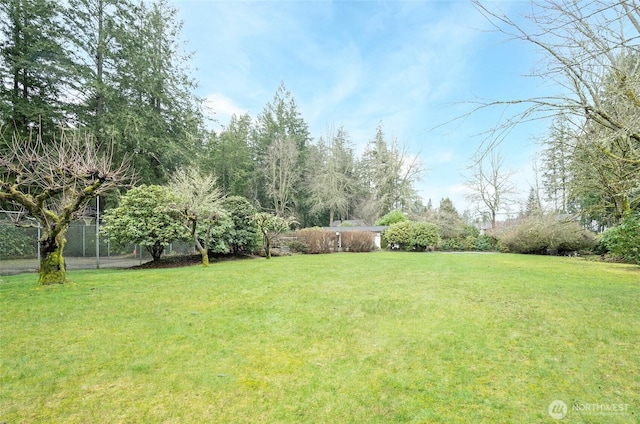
203,247
53,182
267,245
52,267
205,257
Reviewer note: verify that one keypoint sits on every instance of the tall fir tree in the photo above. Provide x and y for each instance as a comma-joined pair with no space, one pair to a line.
556,163
133,84
280,120
163,122
32,68
229,157
333,184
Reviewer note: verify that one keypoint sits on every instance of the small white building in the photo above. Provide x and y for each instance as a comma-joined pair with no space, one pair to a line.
375,229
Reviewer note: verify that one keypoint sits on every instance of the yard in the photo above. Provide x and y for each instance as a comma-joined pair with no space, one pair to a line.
344,338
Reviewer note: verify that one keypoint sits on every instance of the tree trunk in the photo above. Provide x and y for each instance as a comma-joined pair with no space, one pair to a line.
622,206
267,247
52,269
203,248
205,257
155,250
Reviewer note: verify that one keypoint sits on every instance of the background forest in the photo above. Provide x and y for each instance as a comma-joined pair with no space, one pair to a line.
119,71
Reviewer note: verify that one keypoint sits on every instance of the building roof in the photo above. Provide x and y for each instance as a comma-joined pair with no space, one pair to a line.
370,228
348,222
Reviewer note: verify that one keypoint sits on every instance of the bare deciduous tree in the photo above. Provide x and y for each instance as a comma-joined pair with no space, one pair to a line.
54,182
490,185
282,176
591,50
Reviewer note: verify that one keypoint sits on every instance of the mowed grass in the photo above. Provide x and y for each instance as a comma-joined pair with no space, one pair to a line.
341,338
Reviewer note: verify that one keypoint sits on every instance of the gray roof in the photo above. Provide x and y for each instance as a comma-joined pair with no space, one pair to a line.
371,228
350,222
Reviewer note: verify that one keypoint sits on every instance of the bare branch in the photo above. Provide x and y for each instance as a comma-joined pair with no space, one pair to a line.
54,182
591,50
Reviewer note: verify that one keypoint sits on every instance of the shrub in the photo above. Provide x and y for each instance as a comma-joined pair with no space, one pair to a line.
484,243
451,244
424,235
243,237
412,235
398,235
16,242
221,233
358,241
146,216
468,243
624,240
470,231
546,234
317,240
297,246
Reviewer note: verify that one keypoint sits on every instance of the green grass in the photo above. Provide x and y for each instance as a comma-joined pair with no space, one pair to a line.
342,338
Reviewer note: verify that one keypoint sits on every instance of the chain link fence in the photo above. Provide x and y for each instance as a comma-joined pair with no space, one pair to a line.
19,250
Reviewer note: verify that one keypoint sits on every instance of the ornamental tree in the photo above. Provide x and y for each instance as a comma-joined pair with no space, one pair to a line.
271,227
147,216
52,183
198,201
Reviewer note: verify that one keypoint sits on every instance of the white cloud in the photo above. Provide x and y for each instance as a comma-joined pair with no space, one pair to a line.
439,158
356,64
220,108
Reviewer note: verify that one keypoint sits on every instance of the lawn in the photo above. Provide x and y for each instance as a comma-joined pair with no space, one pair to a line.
342,338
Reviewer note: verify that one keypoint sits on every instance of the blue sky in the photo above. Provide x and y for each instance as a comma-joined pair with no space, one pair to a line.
411,65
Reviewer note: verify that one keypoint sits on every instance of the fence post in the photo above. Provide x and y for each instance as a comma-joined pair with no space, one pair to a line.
38,244
97,232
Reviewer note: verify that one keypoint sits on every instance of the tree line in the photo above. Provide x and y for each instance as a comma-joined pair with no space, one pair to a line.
97,95
273,161
118,70
590,160
114,68
99,87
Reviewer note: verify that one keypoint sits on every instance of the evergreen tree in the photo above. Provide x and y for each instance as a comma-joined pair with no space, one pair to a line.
556,162
533,206
229,157
32,62
280,121
388,174
163,123
333,182
133,82
96,31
